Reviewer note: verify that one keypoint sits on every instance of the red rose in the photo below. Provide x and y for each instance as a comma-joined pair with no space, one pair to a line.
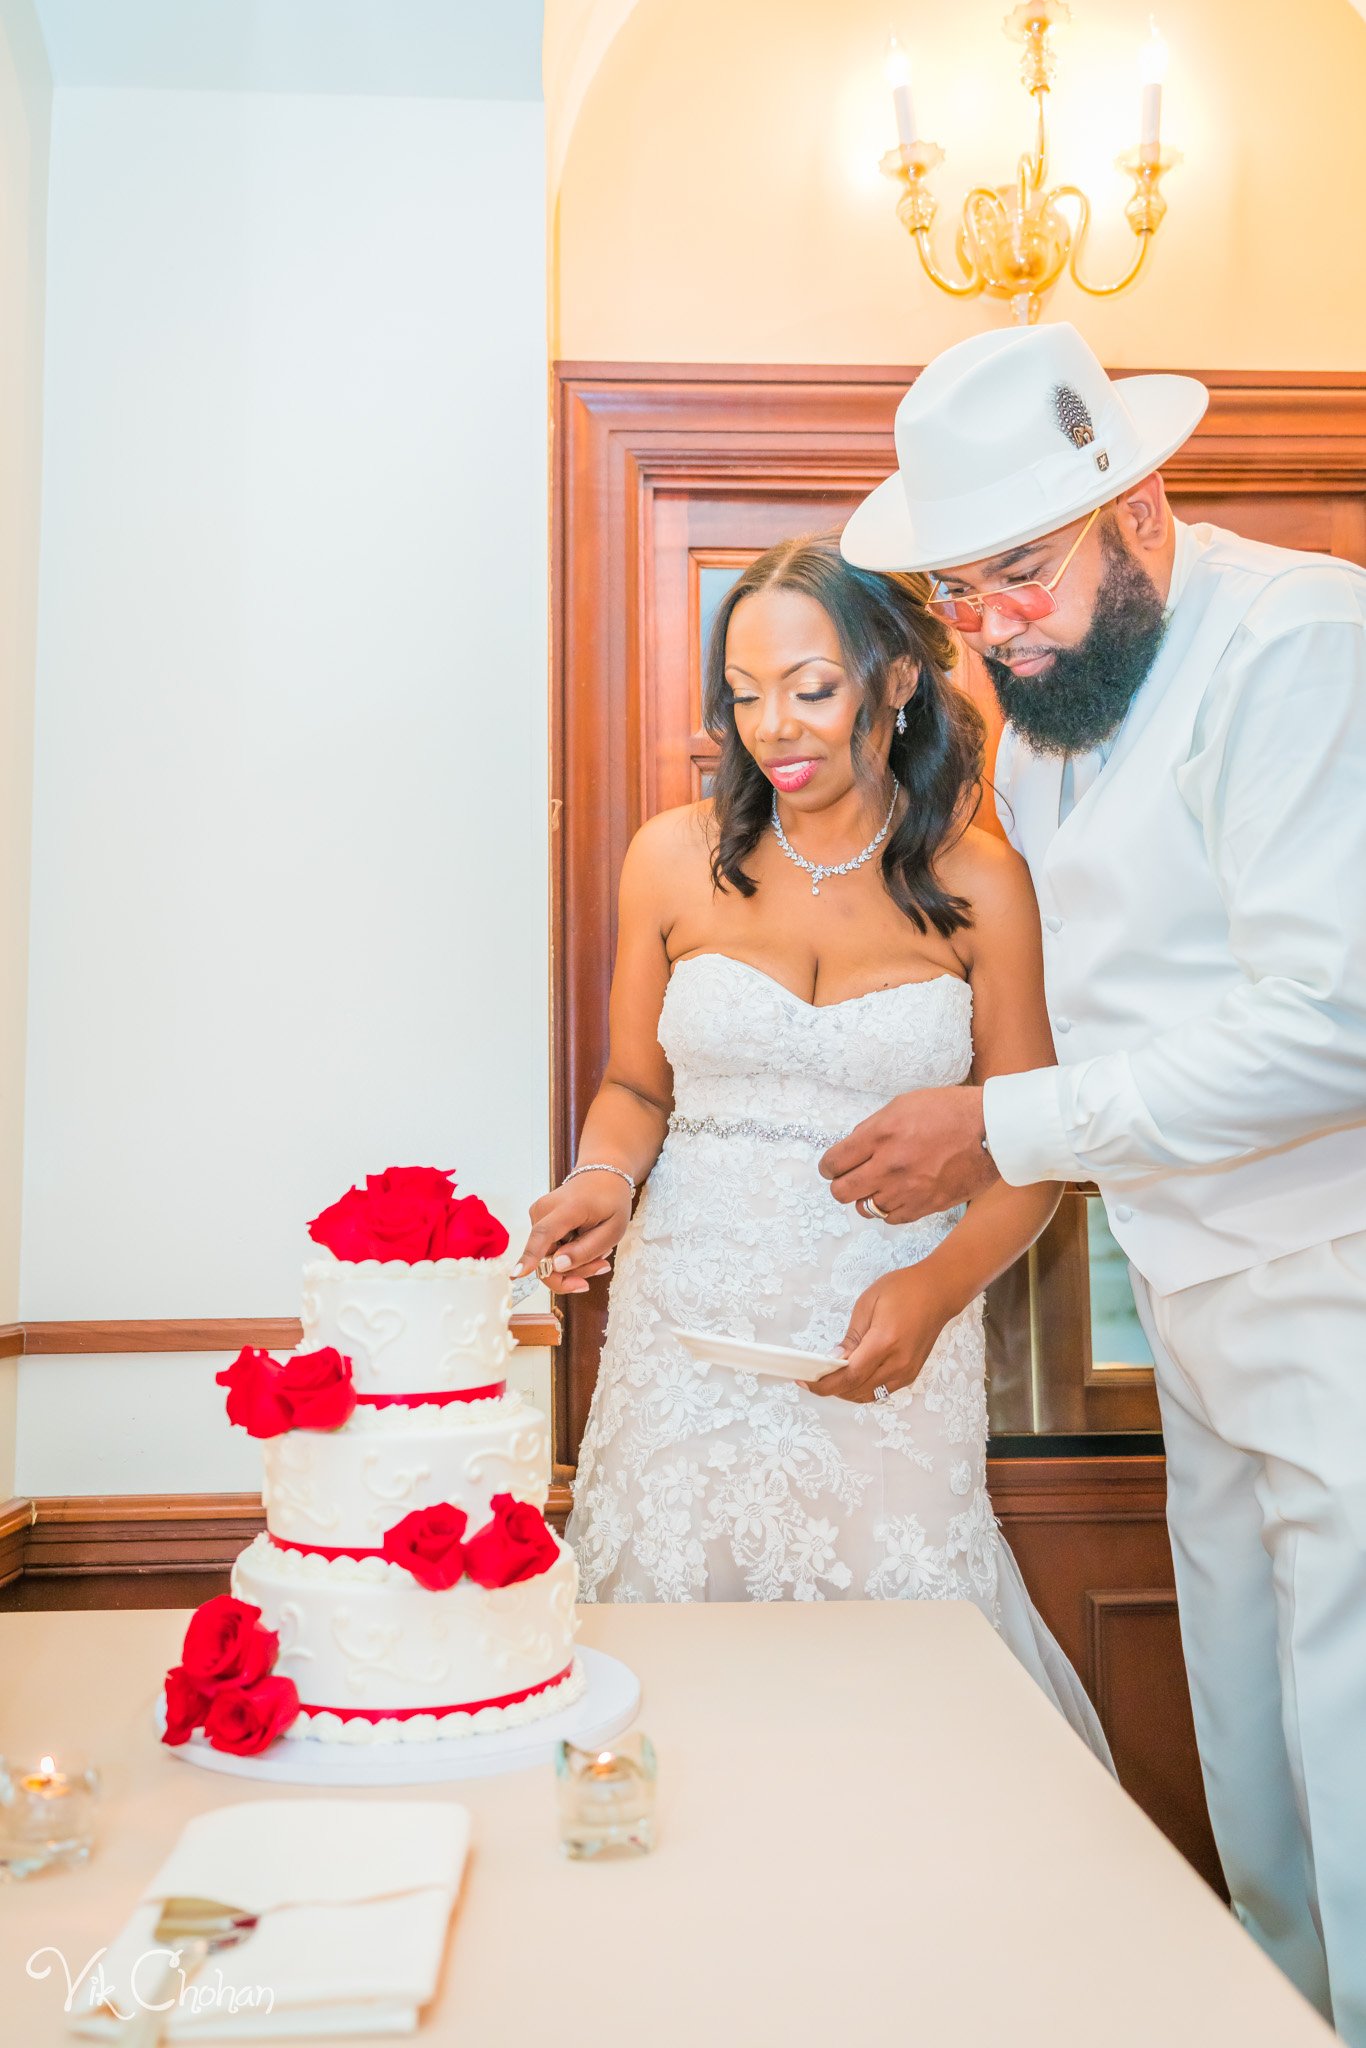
243,1719
428,1543
470,1231
397,1215
517,1544
409,1213
316,1388
344,1229
186,1706
225,1646
311,1390
254,1399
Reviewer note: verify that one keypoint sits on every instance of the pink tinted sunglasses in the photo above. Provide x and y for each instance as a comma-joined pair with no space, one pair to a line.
1020,602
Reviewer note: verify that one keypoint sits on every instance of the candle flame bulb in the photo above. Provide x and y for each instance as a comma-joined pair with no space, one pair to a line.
47,1766
898,71
1152,69
1152,59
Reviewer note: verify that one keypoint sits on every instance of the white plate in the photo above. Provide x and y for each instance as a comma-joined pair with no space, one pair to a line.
609,1705
779,1359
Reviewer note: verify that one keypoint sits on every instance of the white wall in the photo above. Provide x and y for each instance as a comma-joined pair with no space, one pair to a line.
25,115
289,850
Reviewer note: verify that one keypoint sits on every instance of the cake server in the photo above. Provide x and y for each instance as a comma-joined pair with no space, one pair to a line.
194,1929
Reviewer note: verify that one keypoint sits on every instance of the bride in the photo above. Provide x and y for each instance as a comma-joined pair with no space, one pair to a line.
826,932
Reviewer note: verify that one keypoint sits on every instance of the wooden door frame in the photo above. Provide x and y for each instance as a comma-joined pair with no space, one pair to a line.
623,432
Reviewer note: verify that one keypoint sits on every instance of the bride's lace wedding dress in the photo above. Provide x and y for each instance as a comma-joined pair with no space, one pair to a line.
702,1483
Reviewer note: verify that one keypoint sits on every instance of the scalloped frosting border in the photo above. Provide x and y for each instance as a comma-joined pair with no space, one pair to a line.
327,1263
324,1726
443,1418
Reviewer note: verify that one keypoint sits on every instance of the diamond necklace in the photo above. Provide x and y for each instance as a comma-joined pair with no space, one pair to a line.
844,867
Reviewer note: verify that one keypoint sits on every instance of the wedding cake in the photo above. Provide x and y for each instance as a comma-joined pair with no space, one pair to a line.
406,1585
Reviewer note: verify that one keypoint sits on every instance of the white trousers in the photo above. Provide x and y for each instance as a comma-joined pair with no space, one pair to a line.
1261,1378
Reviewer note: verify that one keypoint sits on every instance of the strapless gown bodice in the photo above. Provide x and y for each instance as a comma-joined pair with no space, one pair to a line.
741,1045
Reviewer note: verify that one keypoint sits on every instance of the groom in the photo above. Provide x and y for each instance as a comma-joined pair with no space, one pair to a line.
1184,769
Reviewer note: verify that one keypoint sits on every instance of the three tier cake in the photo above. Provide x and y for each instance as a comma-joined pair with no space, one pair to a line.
407,1585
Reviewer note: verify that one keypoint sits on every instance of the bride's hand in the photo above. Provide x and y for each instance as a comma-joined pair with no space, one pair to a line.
891,1333
578,1226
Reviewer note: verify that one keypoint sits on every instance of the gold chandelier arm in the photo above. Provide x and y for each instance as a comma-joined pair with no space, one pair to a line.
1096,291
973,279
968,289
1034,168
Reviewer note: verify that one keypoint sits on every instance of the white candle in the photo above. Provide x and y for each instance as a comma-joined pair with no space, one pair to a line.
1152,69
898,71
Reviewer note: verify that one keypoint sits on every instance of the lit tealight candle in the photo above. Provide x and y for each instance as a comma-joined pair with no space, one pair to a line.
1152,70
46,1779
606,1797
45,1815
897,68
611,1780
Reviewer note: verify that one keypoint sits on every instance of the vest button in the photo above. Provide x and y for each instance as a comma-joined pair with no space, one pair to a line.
1054,924
1062,1023
1123,1213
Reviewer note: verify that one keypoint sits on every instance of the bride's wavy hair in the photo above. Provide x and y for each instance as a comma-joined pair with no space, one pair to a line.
880,620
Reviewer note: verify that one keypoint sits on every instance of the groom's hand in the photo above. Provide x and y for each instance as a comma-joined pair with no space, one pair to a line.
919,1154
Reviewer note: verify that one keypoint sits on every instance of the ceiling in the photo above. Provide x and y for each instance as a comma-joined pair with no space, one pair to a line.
427,49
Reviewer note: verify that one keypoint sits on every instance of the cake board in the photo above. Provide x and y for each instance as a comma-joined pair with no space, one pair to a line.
608,1704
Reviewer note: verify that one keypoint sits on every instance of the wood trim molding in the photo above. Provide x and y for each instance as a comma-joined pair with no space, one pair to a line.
1105,1605
70,1535
11,1340
536,1327
16,1521
899,375
168,1532
1078,1489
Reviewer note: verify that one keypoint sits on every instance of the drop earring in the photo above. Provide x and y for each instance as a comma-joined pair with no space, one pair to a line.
901,718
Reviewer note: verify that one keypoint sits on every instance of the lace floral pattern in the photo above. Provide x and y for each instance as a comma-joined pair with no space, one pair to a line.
698,1482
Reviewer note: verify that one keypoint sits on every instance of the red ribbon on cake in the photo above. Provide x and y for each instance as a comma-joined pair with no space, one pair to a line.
506,1699
493,1392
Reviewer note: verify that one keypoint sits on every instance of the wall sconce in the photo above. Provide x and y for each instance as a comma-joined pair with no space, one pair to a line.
1015,241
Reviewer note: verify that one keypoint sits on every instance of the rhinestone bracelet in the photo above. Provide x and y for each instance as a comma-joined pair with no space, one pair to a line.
600,1166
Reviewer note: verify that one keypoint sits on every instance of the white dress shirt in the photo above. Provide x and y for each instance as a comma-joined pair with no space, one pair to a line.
1204,908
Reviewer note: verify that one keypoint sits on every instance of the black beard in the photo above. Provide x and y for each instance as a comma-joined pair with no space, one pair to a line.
1083,697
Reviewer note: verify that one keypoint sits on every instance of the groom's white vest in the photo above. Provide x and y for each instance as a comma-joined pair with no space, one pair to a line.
1136,934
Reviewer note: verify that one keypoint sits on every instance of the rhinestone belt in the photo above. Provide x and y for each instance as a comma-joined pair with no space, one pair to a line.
746,1127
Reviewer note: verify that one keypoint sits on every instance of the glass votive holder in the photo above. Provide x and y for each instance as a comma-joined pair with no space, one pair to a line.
607,1798
47,1814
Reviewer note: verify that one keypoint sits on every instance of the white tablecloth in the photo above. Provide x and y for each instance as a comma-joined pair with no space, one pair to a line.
872,1829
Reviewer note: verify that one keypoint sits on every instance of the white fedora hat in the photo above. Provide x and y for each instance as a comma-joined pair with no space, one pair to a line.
1010,435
